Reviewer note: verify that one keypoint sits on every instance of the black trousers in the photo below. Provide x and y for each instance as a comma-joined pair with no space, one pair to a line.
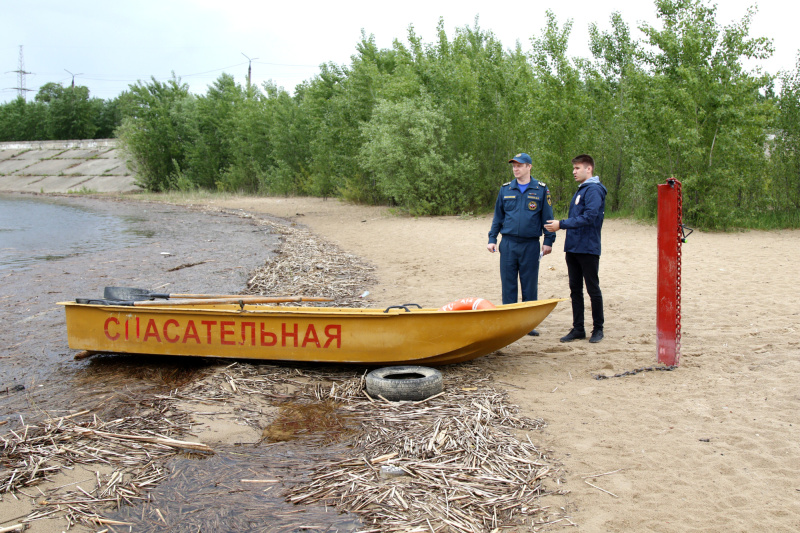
585,268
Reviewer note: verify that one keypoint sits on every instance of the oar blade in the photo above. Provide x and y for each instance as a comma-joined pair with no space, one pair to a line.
127,293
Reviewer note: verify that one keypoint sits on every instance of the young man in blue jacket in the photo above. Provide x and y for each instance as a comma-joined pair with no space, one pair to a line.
582,247
522,207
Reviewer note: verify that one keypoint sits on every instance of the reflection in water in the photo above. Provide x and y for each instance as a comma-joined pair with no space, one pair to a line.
48,229
111,381
109,385
301,419
238,489
132,228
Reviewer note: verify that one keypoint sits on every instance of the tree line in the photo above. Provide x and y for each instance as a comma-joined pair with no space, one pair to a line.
429,127
60,113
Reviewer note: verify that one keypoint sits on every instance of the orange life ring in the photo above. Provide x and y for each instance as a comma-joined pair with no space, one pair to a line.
468,304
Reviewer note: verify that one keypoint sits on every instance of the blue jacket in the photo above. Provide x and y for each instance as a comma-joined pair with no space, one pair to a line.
523,214
586,213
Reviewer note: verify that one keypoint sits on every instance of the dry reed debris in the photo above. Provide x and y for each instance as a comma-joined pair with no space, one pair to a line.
308,265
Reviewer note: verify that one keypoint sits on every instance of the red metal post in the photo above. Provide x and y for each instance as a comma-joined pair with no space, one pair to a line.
670,239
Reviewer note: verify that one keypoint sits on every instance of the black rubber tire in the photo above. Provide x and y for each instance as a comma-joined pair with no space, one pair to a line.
404,383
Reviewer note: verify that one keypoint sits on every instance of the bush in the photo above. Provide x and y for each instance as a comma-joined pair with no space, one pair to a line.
406,152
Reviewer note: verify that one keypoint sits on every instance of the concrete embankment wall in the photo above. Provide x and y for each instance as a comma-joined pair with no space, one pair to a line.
94,165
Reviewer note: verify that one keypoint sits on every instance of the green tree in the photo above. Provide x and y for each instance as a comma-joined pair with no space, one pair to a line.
609,82
213,126
70,113
287,136
157,131
702,119
23,121
481,91
49,92
784,182
338,101
247,143
558,107
108,115
407,153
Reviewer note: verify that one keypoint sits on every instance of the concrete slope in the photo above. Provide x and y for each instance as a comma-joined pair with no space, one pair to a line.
64,166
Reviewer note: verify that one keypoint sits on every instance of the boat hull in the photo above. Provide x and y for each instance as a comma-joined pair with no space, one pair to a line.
311,334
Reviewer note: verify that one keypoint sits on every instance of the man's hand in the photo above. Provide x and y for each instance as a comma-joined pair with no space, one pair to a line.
552,225
546,249
492,247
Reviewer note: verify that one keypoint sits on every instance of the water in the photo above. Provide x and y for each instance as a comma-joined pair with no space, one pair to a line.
47,229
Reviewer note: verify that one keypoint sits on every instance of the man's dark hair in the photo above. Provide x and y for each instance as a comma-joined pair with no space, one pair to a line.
584,160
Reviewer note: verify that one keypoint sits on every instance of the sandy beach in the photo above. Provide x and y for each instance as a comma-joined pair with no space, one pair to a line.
711,446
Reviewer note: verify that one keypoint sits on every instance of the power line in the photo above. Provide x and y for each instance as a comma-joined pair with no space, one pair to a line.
108,86
208,71
285,64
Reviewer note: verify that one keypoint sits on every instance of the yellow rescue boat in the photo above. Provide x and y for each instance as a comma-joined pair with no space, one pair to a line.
397,335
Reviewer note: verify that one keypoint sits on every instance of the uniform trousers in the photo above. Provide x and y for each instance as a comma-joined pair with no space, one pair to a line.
519,257
585,268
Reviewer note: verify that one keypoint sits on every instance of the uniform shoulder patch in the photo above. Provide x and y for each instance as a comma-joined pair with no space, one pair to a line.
506,183
543,184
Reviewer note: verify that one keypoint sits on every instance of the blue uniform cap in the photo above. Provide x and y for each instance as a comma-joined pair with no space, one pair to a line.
522,158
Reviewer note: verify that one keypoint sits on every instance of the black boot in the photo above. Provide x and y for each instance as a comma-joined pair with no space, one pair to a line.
574,334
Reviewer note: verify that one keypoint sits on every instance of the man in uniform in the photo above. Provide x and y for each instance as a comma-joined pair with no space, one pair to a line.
582,247
522,208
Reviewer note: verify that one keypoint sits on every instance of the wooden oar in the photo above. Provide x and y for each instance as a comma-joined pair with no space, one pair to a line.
132,293
202,301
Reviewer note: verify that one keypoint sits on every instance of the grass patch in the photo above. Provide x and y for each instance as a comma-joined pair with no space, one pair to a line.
22,152
188,197
771,219
82,190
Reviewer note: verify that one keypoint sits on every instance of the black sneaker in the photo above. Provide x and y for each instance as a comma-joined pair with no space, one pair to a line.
573,334
597,335
533,333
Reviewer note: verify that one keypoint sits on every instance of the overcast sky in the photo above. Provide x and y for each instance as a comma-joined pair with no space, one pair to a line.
110,44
